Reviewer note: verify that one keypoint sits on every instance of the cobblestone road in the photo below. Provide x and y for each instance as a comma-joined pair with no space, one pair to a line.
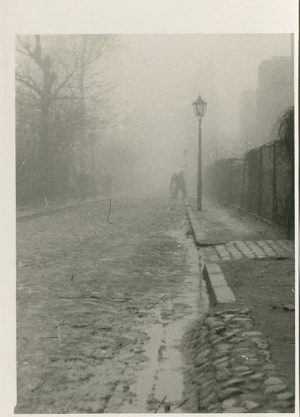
85,296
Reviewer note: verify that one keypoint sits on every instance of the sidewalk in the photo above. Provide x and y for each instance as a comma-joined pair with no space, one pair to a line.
247,355
53,207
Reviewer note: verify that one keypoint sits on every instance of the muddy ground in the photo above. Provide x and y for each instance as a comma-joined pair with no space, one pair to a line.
86,292
89,294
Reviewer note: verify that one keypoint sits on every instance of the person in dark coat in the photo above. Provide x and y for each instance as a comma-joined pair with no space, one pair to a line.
173,186
181,184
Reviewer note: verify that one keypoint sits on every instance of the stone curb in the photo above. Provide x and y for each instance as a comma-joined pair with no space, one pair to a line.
198,235
218,289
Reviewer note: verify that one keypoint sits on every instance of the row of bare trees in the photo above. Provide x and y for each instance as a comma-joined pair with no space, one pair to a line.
63,87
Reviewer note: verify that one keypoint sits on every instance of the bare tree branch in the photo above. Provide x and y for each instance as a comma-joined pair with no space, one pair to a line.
67,98
26,81
22,52
35,55
31,80
68,77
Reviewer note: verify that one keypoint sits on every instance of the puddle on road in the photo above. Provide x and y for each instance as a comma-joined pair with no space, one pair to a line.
143,385
163,373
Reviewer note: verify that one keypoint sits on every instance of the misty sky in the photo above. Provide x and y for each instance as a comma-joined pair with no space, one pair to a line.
161,75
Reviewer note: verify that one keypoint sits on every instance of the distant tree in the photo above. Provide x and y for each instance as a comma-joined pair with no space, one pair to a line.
61,93
47,86
92,91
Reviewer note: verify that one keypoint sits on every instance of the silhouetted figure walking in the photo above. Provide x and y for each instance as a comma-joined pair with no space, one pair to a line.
181,185
173,186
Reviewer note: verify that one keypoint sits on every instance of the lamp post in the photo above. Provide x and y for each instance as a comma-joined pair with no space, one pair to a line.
199,108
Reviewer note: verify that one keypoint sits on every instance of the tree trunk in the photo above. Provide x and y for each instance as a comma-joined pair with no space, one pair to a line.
46,163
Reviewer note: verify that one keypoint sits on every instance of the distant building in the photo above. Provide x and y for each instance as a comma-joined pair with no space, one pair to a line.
275,94
248,122
260,109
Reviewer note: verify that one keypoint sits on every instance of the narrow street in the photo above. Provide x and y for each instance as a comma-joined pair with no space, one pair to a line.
102,305
155,223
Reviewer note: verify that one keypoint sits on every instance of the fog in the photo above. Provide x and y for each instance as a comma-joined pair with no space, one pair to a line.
117,109
160,77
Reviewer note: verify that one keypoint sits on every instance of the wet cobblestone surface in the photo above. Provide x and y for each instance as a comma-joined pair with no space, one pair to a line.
86,294
231,368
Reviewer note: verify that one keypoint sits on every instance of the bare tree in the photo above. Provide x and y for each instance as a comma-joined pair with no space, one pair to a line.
93,92
63,75
48,89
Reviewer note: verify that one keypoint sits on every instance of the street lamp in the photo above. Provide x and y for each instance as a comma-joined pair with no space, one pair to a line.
199,108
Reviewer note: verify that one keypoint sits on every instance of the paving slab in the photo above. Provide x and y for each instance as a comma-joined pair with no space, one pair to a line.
218,288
